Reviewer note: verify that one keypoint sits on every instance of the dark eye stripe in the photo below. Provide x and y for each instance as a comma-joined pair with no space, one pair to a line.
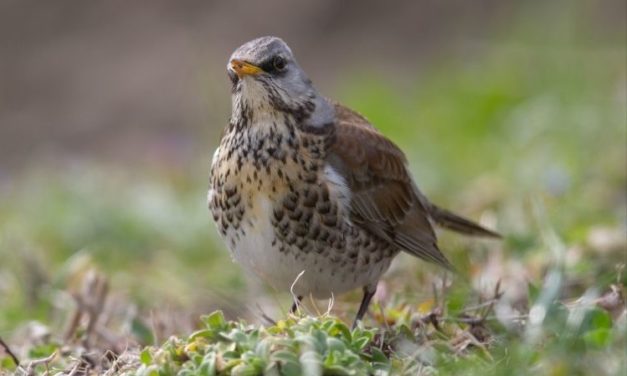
269,65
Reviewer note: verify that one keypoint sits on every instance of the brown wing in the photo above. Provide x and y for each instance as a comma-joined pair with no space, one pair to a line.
384,198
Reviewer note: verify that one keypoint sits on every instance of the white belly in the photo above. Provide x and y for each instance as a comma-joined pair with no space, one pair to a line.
253,248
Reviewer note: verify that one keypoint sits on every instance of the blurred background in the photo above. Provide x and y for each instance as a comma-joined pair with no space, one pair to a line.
510,112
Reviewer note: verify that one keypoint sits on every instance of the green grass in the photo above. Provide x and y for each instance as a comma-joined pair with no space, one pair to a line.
529,136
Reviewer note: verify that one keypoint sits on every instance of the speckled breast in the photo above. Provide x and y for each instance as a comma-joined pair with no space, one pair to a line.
283,213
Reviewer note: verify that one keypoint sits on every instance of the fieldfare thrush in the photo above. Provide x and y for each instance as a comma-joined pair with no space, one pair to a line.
306,193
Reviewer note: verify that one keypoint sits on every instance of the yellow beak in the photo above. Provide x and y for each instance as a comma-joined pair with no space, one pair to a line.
243,68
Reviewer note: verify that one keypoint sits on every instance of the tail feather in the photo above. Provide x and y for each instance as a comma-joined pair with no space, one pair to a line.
454,222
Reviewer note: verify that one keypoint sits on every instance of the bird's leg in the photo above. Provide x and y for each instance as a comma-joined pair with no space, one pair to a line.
296,303
365,302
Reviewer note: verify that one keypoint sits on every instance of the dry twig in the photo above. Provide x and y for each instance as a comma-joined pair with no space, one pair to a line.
10,353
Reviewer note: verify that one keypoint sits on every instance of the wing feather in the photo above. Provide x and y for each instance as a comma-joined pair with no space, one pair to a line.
383,195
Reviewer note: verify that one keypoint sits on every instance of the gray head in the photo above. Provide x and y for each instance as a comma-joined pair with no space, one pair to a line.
268,81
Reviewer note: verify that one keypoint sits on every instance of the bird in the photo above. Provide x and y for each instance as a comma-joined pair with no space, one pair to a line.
306,193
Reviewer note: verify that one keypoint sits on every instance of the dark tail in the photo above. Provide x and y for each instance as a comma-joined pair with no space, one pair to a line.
459,224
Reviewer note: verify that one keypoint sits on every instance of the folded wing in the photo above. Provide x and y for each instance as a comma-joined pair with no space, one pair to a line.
384,199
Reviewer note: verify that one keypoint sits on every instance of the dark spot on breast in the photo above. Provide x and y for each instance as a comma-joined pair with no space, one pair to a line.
290,201
314,231
307,215
301,243
295,215
278,214
230,191
301,230
324,207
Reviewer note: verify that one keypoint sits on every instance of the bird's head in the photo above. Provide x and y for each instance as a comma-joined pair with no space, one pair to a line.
267,81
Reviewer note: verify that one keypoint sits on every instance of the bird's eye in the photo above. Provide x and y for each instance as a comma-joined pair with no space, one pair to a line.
279,63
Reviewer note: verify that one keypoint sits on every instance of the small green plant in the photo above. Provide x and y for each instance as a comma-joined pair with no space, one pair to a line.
294,346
